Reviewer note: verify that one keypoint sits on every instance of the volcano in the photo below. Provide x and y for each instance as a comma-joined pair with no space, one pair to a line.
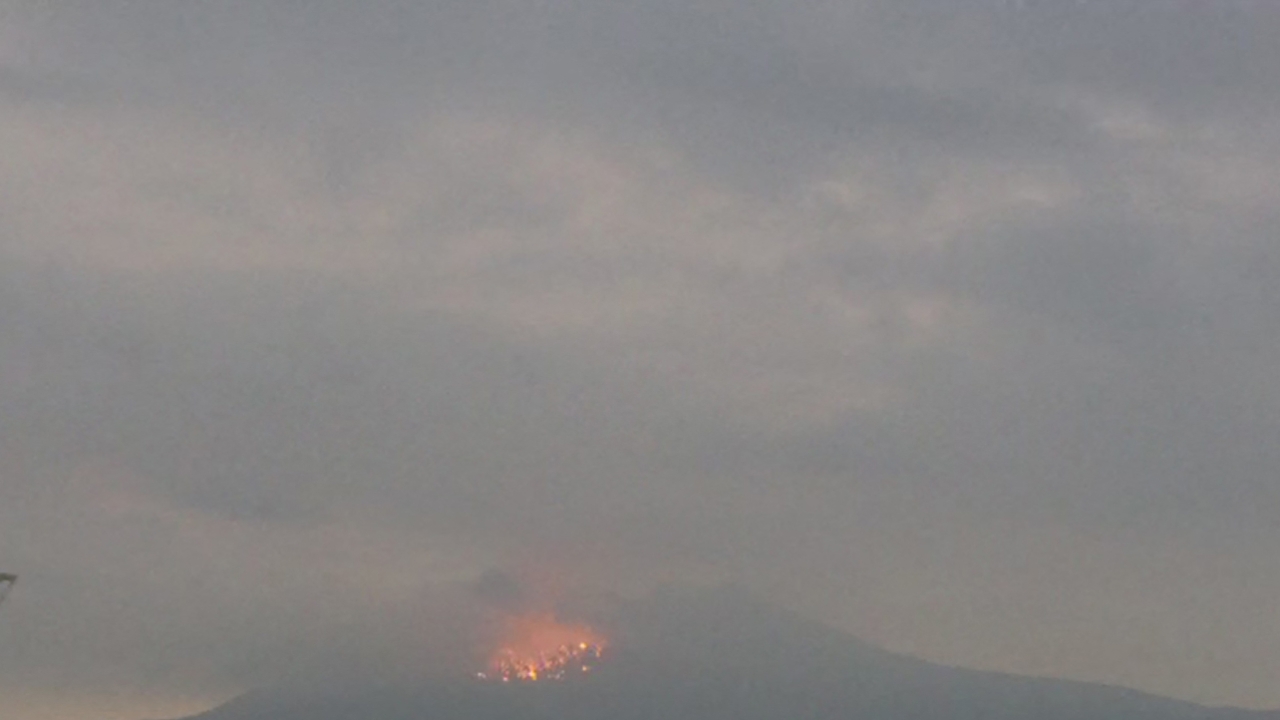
720,655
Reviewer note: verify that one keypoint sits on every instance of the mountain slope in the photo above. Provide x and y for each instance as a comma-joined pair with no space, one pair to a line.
720,655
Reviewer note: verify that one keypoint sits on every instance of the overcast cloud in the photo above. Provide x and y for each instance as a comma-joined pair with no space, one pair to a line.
954,324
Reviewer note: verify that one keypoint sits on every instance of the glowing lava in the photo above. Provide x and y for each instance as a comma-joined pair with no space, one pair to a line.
539,647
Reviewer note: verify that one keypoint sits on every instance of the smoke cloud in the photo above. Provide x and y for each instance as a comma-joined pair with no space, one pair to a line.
951,324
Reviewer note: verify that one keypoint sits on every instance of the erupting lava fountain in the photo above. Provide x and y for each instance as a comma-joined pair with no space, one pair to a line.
537,648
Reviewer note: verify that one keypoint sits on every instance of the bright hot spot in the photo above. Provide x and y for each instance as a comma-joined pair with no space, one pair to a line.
540,647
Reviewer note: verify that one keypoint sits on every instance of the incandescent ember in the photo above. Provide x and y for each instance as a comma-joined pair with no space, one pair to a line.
538,648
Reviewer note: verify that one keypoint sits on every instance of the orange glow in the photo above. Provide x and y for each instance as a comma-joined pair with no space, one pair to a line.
539,647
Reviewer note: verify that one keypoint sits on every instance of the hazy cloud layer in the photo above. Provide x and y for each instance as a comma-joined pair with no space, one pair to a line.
952,323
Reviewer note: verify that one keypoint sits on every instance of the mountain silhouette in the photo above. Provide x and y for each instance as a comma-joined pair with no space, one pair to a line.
720,654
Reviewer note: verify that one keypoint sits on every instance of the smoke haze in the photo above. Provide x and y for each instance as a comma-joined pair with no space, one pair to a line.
327,329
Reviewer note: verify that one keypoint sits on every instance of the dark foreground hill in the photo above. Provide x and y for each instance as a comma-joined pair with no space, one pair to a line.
719,656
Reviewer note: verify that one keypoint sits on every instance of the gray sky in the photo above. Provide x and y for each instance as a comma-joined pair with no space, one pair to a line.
951,323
